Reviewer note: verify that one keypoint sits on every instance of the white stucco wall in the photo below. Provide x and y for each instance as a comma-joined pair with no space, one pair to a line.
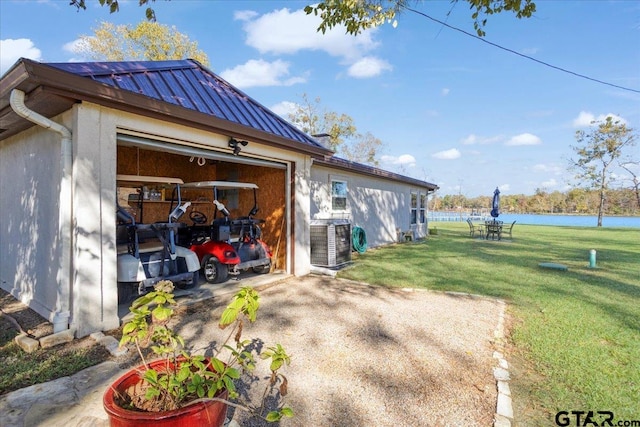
29,242
30,171
379,206
95,304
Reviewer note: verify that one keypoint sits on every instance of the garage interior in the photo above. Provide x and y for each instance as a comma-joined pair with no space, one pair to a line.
270,177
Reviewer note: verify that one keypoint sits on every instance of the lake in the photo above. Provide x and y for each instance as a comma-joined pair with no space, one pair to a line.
566,220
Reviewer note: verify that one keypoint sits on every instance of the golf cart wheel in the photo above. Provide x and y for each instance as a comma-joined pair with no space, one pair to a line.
189,285
214,271
262,269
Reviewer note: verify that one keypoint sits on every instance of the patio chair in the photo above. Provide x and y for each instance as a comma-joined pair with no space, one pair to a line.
509,230
494,229
473,229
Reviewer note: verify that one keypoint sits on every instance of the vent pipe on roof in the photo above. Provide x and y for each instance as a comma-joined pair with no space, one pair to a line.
60,318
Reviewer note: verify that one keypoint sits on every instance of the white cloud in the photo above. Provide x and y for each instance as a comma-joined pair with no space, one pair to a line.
261,73
284,108
13,49
244,15
553,169
284,31
549,183
585,119
524,139
445,91
470,140
504,187
368,67
451,154
402,160
73,46
475,139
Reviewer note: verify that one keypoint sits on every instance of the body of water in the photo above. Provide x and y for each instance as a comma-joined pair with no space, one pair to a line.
566,220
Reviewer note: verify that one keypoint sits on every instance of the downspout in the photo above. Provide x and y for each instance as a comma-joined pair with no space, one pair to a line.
60,318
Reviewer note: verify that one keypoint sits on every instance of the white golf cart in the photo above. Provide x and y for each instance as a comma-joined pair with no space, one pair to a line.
147,252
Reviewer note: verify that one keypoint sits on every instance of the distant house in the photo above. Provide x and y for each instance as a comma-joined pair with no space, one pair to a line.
67,129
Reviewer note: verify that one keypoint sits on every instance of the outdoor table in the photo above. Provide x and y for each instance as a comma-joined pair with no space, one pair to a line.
493,228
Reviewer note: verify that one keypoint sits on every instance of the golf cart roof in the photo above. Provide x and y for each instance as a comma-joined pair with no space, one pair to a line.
221,185
138,180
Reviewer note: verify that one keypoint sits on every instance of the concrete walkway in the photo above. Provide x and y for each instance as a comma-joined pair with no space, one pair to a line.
76,401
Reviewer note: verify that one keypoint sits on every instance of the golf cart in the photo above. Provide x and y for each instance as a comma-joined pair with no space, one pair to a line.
226,246
147,252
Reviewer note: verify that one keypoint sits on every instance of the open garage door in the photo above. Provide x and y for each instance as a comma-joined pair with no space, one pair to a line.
148,157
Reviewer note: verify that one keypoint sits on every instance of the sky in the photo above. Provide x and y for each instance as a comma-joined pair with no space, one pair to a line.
466,114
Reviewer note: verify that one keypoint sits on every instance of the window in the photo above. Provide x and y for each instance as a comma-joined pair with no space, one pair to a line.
423,208
338,195
414,208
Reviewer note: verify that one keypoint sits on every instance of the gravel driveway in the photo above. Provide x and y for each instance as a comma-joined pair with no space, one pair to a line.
364,356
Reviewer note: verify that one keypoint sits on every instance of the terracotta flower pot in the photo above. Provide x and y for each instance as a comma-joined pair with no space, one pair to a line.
208,413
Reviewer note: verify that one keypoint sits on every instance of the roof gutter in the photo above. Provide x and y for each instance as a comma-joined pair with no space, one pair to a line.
60,318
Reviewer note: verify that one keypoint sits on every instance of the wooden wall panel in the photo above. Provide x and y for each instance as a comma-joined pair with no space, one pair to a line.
271,193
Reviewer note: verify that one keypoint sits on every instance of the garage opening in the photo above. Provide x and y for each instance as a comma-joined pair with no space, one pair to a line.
138,156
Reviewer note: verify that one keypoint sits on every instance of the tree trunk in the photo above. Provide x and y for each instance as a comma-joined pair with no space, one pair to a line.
601,207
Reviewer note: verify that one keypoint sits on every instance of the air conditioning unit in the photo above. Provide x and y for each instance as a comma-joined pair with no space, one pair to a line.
330,242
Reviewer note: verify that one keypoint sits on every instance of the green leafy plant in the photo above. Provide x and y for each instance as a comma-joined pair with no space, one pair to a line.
184,377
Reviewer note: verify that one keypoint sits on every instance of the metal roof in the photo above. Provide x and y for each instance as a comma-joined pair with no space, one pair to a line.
188,84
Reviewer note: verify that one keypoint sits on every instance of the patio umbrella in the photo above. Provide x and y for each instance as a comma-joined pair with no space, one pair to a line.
495,205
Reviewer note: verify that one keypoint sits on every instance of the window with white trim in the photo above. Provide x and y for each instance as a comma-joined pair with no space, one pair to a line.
423,208
414,208
338,195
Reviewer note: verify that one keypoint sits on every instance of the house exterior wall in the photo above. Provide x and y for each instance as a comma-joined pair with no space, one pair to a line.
379,206
95,304
30,176
30,173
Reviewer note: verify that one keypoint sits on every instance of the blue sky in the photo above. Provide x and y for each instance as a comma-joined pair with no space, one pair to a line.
450,109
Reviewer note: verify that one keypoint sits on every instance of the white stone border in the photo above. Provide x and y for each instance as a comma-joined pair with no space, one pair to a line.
504,407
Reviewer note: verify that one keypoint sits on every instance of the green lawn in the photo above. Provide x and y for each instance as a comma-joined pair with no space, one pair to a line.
575,336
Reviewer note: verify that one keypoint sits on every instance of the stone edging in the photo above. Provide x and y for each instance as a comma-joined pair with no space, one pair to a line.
504,407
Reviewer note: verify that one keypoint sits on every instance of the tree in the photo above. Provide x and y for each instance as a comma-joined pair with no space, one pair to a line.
309,118
635,178
597,150
359,15
147,41
344,138
363,150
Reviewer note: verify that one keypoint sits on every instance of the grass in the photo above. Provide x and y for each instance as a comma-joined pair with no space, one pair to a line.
575,336
21,370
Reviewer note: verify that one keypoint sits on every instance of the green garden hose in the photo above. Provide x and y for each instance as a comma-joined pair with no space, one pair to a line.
359,238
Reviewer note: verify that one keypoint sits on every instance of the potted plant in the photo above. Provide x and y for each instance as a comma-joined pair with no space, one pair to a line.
182,388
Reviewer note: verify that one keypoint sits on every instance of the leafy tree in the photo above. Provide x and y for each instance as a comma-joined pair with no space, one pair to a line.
359,15
147,41
363,150
343,138
635,178
309,117
598,149
114,6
